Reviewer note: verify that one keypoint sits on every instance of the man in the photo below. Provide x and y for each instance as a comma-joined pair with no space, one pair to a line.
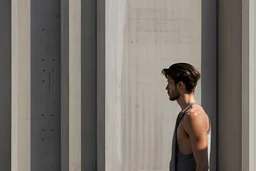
191,139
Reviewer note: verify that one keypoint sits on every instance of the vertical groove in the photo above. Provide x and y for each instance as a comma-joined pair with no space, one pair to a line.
89,84
217,85
49,84
126,126
140,118
150,128
64,85
137,132
6,85
144,126
128,103
156,133
101,85
95,82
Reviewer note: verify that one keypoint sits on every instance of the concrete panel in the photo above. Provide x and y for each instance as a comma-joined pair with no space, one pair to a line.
45,85
230,86
20,86
89,82
75,85
158,34
237,86
141,40
248,155
71,85
5,86
115,23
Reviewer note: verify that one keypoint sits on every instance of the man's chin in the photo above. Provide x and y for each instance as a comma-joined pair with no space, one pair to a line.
174,98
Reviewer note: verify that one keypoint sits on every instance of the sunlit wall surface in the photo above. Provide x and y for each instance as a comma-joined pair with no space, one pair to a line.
142,37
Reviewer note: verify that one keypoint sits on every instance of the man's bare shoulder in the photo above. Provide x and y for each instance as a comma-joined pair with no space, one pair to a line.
196,119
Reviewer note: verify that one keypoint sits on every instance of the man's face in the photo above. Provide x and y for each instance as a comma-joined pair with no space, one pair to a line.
172,90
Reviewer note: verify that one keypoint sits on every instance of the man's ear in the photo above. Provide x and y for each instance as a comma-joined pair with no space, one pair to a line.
181,85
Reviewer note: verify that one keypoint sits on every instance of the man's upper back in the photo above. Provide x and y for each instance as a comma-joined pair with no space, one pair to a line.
193,139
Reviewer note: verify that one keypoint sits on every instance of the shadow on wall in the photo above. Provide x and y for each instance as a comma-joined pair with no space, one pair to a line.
209,71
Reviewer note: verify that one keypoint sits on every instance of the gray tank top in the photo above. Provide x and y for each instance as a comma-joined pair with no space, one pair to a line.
180,162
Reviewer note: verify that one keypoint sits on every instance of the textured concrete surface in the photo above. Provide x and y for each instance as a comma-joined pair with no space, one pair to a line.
45,86
230,81
236,86
20,152
141,39
134,117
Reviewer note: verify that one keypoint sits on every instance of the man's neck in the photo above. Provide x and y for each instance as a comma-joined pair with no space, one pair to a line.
185,100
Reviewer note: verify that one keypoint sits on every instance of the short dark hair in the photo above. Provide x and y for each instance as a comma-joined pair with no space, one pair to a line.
184,72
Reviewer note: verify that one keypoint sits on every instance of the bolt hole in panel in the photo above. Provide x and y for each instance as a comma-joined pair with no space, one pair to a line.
45,85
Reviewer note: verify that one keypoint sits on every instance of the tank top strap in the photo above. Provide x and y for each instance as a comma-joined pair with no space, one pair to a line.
183,112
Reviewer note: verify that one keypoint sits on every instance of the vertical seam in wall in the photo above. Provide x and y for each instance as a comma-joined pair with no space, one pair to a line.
96,90
217,84
100,92
240,81
64,19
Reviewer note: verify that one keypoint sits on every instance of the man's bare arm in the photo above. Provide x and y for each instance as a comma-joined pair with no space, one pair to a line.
196,126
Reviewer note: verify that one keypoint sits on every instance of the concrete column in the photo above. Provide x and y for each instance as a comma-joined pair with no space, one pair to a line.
71,85
230,86
75,85
20,160
236,141
143,37
248,129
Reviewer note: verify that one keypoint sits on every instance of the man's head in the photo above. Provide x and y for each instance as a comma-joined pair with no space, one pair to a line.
182,78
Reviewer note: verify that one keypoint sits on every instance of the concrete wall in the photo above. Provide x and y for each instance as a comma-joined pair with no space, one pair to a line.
45,85
20,74
114,111
39,41
141,39
236,72
230,85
